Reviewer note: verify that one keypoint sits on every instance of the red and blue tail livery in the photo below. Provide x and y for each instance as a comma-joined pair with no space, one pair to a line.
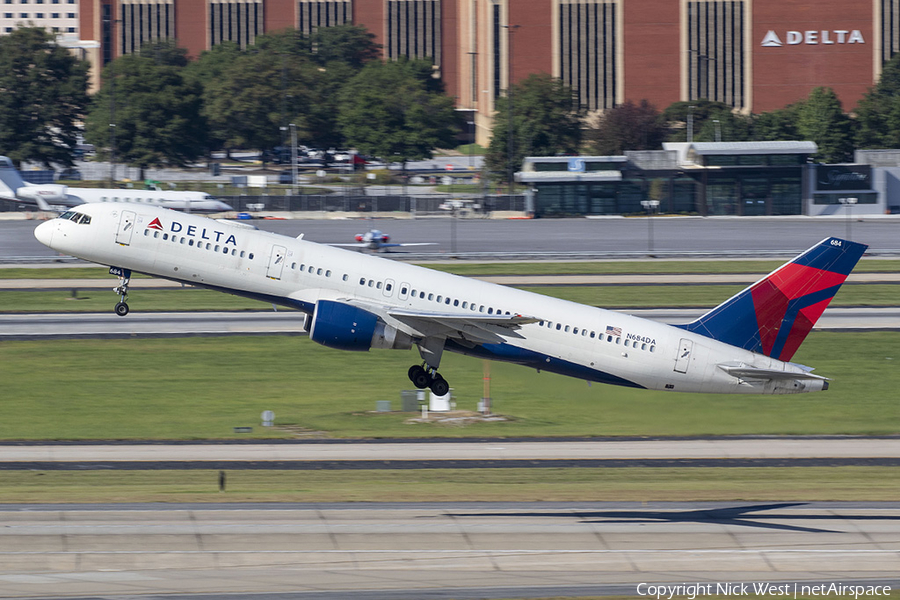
773,315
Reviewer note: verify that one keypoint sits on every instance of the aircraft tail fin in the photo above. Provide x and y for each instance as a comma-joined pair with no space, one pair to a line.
774,315
10,179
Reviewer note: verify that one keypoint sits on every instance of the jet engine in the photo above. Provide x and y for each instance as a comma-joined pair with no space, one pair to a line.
346,327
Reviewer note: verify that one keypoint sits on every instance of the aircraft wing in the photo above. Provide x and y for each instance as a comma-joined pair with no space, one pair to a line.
742,371
476,328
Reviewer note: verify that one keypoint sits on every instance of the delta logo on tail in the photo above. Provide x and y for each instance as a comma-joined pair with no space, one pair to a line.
774,315
155,224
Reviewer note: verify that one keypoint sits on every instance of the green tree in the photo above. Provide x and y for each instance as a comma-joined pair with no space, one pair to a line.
546,120
821,120
211,66
350,45
396,110
878,112
155,109
261,92
43,97
777,125
628,126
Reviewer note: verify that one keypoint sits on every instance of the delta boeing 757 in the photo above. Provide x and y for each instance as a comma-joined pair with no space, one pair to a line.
358,302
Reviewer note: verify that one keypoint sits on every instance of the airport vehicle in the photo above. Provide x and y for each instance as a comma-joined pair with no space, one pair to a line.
375,239
358,302
55,197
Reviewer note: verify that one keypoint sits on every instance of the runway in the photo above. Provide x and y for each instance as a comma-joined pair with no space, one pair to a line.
437,550
489,239
285,322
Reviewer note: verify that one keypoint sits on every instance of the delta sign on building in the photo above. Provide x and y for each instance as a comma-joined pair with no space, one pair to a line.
800,45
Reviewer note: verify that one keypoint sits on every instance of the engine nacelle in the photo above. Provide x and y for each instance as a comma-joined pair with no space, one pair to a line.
346,327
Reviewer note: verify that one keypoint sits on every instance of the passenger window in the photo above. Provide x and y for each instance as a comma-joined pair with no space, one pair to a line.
146,232
165,236
456,303
310,269
216,249
403,291
558,326
225,250
490,311
447,301
345,277
575,331
627,343
182,240
327,273
481,308
371,283
584,333
465,304
440,299
250,256
652,348
242,254
422,295
431,296
319,271
389,287
643,346
302,266
234,251
592,335
378,285
293,266
567,329
362,281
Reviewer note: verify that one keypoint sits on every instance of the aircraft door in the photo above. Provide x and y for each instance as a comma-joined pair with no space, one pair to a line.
126,228
685,347
276,262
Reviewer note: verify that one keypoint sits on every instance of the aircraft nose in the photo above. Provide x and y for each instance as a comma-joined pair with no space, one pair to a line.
44,233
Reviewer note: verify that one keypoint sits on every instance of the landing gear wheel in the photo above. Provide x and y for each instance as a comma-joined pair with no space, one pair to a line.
419,377
440,387
121,309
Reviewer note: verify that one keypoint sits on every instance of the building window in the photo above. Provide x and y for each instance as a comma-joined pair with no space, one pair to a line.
587,51
716,58
890,29
414,29
238,22
323,13
144,22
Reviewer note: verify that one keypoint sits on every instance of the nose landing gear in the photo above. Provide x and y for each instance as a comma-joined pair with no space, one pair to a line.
425,376
121,289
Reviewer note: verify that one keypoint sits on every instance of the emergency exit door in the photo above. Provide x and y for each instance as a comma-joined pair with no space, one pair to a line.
126,228
685,347
276,262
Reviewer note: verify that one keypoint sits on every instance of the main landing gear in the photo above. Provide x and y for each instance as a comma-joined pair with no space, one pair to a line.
122,290
425,376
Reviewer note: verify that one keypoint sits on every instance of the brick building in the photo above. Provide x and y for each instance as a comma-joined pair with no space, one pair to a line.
756,55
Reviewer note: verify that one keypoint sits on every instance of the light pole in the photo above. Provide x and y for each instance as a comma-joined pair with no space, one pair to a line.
650,206
848,206
718,130
509,99
690,124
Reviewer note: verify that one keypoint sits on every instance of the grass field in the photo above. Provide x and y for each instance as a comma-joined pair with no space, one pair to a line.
437,485
199,388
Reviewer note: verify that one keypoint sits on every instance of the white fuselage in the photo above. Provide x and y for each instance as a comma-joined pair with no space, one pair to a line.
572,339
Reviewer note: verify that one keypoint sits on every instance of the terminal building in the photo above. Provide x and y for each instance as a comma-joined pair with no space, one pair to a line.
755,55
713,179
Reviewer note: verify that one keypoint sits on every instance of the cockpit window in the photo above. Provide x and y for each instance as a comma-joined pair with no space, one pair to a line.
76,217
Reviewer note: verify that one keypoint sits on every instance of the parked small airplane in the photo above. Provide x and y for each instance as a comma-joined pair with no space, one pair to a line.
378,240
358,302
51,196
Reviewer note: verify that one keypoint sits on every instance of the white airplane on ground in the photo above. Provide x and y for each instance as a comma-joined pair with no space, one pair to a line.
358,302
52,196
375,239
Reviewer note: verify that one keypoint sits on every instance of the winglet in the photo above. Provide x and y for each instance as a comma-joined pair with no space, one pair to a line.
774,315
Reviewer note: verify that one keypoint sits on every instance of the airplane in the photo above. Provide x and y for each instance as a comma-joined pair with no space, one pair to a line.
377,240
358,302
55,197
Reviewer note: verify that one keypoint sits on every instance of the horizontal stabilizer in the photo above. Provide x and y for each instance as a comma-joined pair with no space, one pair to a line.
743,371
